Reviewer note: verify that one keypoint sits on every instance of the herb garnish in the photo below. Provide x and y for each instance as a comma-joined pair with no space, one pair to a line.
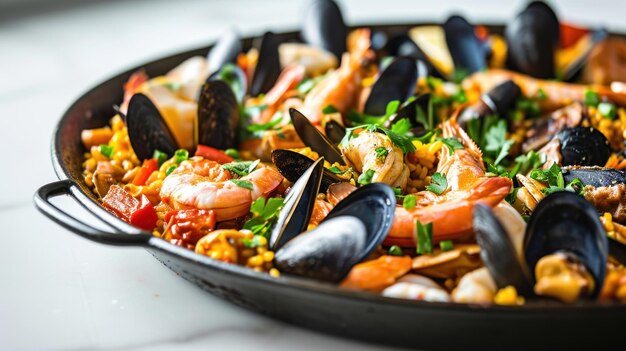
424,233
452,143
439,183
366,177
243,183
242,168
381,153
264,214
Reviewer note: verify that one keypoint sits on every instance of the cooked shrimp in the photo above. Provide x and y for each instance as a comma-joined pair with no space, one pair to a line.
451,212
341,87
362,153
417,287
204,184
475,287
376,275
558,94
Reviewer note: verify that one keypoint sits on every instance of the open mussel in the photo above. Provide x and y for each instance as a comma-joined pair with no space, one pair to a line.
604,188
350,232
314,139
579,146
326,252
334,131
218,116
532,40
323,26
466,50
267,68
225,51
543,129
396,82
293,165
147,130
564,253
401,45
299,202
499,101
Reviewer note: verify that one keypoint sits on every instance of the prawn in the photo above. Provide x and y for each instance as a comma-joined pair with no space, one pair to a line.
451,212
203,184
557,94
340,88
372,151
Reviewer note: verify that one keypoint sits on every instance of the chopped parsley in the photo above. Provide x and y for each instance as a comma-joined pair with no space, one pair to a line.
404,142
160,156
232,153
106,150
243,184
409,202
489,134
328,109
452,144
555,180
607,110
591,98
256,241
439,183
401,127
446,245
169,170
261,127
181,155
362,118
366,177
242,168
424,233
336,170
264,214
395,250
381,153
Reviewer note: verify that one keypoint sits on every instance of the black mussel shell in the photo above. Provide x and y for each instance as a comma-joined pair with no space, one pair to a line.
466,50
499,100
218,116
294,217
396,82
553,22
582,146
235,77
323,26
293,165
617,250
595,176
531,43
268,65
498,253
543,129
374,204
334,131
147,130
402,45
327,252
225,51
566,222
314,139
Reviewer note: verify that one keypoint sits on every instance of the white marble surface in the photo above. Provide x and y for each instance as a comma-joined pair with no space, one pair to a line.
60,292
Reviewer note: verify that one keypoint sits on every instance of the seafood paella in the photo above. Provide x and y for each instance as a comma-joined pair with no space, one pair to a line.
446,163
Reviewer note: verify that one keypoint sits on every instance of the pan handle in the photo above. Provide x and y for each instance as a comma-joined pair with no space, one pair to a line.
64,187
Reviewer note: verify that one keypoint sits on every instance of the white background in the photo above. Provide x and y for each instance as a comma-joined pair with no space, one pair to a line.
60,292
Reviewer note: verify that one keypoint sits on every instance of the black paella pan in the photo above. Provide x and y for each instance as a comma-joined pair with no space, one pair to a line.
308,303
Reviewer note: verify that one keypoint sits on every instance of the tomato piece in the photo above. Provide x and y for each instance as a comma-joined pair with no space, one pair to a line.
145,171
213,154
188,226
120,202
571,34
145,215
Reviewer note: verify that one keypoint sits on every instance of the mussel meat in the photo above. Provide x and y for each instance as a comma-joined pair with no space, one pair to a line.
564,254
604,188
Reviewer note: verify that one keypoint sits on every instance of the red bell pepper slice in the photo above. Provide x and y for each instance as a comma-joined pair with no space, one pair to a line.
213,154
571,34
145,215
145,171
